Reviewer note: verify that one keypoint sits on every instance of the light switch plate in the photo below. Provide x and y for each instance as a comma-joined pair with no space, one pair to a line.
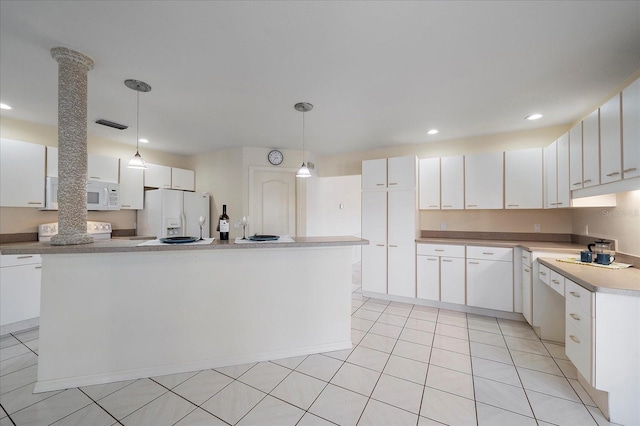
536,227
443,226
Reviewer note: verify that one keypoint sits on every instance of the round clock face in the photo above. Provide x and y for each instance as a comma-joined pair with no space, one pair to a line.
275,157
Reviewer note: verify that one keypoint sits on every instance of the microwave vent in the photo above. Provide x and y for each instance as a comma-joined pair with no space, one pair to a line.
111,124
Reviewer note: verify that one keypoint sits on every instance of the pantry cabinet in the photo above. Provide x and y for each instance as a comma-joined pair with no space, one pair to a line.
131,188
452,183
429,183
22,168
523,179
490,277
483,181
631,130
610,141
590,147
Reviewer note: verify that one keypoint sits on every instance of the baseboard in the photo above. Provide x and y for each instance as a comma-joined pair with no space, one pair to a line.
19,326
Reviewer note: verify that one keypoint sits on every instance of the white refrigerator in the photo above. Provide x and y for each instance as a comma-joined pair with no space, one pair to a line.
172,213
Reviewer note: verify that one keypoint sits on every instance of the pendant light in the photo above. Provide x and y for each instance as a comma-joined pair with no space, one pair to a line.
139,86
303,171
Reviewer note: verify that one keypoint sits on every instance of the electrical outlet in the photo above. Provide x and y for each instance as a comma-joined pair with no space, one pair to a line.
443,226
586,230
536,227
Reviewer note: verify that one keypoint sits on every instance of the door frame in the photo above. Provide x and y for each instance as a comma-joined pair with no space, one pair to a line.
301,196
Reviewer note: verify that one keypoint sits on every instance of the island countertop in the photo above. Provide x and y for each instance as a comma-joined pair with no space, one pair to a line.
119,246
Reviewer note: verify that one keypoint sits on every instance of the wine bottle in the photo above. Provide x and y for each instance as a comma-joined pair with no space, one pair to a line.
223,224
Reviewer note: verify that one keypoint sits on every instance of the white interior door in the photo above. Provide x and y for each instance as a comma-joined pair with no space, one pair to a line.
273,203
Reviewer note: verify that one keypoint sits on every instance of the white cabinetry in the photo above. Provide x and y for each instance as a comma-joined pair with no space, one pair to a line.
527,287
483,178
441,273
427,276
490,277
183,179
21,174
102,168
52,161
590,147
389,222
631,130
131,188
452,183
157,176
430,183
452,279
610,142
19,291
575,156
523,179
556,160
579,328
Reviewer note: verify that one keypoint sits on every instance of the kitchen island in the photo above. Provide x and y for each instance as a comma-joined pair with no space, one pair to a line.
114,311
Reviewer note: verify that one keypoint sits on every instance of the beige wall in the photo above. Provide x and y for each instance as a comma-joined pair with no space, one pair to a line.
621,223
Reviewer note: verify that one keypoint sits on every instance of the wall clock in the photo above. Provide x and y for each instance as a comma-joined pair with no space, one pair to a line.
275,157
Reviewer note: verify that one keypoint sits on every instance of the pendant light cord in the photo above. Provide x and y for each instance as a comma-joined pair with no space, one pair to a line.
303,137
138,125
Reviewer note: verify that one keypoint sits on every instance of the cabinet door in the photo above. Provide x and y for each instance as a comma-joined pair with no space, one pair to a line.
52,161
575,156
610,142
401,275
523,179
102,168
550,177
19,293
631,130
131,188
374,267
590,155
527,293
490,284
564,193
452,182
374,215
452,283
401,172
21,174
374,174
401,219
483,177
157,176
429,183
183,179
428,277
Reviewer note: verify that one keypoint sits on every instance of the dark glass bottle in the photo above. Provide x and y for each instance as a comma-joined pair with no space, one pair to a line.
223,224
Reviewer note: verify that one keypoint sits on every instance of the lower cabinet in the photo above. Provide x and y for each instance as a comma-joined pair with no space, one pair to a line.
440,273
374,267
452,280
428,277
490,278
19,289
401,280
527,291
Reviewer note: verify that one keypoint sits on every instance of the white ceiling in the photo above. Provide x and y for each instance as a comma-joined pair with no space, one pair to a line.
379,73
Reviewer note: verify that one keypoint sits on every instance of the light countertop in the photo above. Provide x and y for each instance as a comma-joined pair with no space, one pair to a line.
527,245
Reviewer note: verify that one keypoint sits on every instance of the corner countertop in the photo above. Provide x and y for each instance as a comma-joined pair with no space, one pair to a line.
625,282
131,246
527,245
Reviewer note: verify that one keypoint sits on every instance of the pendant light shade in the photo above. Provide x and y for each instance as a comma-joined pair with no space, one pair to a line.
136,161
303,171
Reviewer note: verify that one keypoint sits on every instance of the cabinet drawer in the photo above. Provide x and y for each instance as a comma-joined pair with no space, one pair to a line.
440,250
580,297
578,350
580,320
21,259
526,257
490,253
556,282
543,274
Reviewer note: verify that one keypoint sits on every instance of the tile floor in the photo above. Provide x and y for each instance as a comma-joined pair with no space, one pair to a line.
410,365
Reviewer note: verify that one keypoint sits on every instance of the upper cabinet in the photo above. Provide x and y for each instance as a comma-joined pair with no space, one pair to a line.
483,178
610,141
523,179
575,156
401,172
556,174
52,161
374,174
590,147
631,131
429,170
157,176
99,167
131,188
183,179
21,174
452,182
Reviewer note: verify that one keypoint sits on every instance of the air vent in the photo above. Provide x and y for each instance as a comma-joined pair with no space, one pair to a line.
111,124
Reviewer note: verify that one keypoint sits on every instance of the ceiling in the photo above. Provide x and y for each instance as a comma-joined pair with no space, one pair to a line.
378,73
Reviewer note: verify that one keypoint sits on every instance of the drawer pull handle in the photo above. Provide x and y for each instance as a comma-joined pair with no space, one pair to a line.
472,205
574,294
439,250
555,282
447,205
513,205
543,273
379,184
392,245
94,177
126,205
25,257
577,183
632,169
587,180
434,206
575,317
613,174
473,263
380,245
447,260
487,253
526,270
559,203
392,183
574,338
38,267
34,202
434,260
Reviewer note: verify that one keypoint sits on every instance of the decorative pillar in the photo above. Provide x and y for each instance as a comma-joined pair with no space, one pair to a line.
72,146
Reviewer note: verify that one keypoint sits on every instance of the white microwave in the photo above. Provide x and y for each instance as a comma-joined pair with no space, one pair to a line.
100,195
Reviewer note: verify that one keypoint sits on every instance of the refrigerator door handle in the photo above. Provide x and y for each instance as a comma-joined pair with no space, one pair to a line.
183,226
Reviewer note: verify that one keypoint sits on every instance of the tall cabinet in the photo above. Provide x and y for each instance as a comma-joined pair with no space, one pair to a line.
390,223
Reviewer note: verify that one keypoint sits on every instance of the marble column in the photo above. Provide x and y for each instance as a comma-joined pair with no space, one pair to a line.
72,146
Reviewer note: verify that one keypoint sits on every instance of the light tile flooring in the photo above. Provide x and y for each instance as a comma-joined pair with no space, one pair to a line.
410,365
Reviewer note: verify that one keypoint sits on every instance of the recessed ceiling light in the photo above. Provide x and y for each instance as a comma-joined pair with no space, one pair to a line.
432,132
142,140
533,116
5,106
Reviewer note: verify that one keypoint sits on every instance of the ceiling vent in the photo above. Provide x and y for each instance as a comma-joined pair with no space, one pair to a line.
111,124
